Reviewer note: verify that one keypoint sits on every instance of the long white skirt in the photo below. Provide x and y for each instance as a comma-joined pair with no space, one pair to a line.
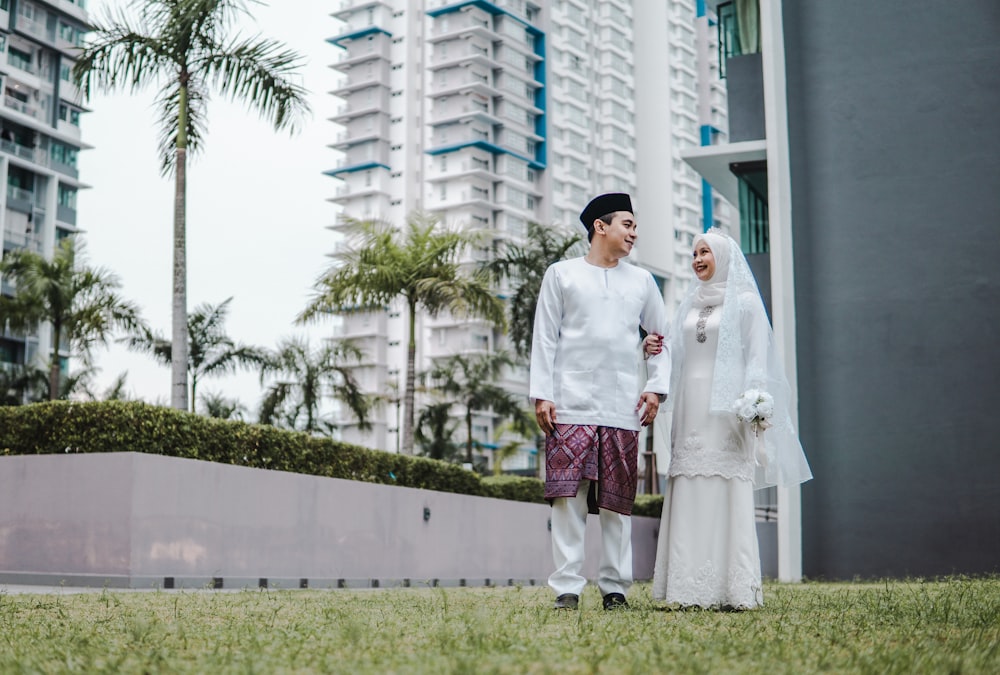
707,554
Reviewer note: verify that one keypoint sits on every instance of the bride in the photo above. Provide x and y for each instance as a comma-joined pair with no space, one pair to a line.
731,433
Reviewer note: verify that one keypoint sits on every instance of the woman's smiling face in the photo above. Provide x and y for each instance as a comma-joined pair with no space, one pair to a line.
704,261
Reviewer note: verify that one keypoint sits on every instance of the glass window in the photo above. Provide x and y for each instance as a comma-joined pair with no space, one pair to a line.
63,154
754,227
19,59
67,196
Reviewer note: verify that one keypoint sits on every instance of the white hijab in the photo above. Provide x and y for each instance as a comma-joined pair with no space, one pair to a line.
712,291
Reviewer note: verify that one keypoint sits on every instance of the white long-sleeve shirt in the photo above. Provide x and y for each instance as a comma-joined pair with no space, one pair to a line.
585,350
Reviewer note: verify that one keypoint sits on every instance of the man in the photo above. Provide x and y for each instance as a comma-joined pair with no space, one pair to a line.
588,401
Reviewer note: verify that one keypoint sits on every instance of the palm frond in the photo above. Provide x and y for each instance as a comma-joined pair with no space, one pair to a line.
257,72
120,54
168,105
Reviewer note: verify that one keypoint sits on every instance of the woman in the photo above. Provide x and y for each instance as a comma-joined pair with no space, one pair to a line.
727,388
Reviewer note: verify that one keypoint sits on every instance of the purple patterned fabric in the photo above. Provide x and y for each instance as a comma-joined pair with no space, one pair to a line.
606,456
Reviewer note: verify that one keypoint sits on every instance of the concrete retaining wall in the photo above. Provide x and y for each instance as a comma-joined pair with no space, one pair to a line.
136,520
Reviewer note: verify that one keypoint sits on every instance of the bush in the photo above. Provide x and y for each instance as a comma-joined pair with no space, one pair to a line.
116,426
515,488
648,505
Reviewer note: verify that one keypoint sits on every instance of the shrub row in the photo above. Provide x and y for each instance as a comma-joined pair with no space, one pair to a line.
116,426
648,505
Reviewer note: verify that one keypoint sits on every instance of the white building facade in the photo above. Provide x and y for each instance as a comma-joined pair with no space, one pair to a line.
495,114
39,141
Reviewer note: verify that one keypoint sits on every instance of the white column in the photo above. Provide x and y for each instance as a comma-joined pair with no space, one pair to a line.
779,199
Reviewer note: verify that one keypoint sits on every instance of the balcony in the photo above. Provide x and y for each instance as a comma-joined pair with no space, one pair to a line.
357,31
362,132
347,7
74,8
363,77
19,199
27,240
459,134
36,29
462,164
467,52
18,150
461,108
22,107
459,24
462,81
361,51
361,103
66,214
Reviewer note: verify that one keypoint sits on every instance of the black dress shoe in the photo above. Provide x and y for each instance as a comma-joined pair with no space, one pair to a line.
615,601
567,601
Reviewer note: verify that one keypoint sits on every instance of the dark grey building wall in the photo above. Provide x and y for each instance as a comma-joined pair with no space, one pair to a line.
894,125
745,96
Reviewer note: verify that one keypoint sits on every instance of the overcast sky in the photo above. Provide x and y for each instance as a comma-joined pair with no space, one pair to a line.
257,207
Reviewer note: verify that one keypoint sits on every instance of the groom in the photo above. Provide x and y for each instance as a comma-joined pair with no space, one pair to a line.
588,399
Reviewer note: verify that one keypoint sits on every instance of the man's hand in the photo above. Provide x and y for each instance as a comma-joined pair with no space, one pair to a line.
651,401
545,414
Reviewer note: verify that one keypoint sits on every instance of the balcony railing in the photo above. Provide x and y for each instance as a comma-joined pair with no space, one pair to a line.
20,106
25,240
36,29
20,194
18,150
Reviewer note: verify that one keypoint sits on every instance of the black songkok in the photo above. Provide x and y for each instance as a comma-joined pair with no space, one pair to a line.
602,205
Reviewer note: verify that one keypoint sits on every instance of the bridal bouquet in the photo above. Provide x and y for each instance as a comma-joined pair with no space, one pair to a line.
755,407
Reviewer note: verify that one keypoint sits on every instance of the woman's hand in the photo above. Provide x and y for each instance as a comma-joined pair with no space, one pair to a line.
652,345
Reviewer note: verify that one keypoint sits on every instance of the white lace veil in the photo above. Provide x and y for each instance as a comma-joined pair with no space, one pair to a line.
746,359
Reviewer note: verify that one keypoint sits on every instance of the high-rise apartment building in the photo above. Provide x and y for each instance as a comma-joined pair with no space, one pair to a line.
496,114
39,139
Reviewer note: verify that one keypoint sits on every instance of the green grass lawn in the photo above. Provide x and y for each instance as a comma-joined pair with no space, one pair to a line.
949,626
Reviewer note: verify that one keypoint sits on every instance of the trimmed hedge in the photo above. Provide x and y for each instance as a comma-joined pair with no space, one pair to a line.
115,426
515,488
648,505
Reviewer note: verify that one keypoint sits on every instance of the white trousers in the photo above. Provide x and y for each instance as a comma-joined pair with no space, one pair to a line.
569,524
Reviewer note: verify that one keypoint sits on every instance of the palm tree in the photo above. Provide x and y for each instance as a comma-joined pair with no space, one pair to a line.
221,407
434,431
20,383
515,440
471,381
80,385
421,264
211,352
79,302
305,376
185,48
524,265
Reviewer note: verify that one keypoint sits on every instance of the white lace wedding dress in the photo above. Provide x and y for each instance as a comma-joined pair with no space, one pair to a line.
707,553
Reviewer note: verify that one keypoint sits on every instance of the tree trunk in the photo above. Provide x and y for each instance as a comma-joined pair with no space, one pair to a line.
179,332
54,365
411,367
468,435
194,388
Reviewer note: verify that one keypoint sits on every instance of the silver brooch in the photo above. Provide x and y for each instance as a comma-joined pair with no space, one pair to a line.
699,329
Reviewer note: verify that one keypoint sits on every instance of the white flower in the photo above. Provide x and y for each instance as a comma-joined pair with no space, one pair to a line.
765,407
756,408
